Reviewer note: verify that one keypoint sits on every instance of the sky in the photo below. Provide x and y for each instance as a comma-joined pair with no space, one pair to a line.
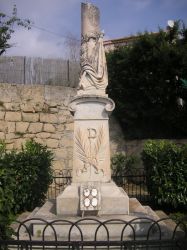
55,20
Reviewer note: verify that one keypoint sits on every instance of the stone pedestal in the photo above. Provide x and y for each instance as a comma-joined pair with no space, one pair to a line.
91,157
114,200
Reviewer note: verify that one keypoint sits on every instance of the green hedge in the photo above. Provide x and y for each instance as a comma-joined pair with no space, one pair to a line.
166,168
7,186
30,170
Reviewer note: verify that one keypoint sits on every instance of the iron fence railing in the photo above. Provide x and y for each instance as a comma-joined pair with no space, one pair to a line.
61,179
138,233
127,245
133,184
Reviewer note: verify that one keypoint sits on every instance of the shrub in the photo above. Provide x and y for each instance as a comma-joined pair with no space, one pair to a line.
122,164
166,168
40,159
7,185
2,147
30,169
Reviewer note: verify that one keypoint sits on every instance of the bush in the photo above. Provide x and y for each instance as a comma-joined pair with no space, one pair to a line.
7,186
40,159
30,169
121,165
166,168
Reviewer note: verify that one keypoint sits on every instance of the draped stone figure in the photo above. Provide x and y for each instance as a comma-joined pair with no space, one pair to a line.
93,77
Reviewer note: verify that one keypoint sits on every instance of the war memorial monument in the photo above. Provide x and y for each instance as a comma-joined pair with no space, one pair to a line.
92,196
91,108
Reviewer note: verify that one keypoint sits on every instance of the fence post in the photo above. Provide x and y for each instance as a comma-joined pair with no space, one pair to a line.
68,70
24,70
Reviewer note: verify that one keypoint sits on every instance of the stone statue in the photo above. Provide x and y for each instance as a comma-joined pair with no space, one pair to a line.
93,77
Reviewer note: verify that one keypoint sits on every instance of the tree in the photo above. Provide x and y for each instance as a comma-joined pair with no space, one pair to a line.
73,47
145,81
6,28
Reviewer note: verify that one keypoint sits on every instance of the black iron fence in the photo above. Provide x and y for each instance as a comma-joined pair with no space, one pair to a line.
61,179
138,233
76,245
133,183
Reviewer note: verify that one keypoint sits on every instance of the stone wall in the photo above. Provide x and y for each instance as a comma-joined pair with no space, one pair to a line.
41,112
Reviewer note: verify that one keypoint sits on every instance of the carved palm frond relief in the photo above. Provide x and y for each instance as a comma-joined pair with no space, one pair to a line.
81,146
89,152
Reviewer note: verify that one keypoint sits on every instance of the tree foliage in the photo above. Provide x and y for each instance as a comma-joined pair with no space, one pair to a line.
146,80
7,28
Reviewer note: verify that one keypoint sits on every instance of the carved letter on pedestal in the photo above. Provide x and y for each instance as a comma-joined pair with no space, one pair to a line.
92,133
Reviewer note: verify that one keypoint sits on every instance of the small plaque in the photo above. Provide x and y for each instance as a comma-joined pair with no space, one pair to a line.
87,202
94,202
94,192
86,192
90,196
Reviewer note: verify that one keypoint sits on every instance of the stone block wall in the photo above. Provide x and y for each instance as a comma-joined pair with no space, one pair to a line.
39,112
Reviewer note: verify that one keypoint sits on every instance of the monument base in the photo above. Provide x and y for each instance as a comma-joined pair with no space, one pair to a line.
114,200
141,221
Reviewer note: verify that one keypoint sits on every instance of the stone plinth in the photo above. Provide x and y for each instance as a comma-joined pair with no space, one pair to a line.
140,220
114,200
